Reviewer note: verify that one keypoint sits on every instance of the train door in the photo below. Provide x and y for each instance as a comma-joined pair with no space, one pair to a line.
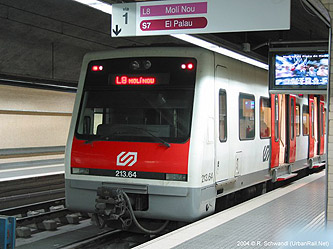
321,119
291,155
275,137
283,129
222,167
283,141
316,126
311,126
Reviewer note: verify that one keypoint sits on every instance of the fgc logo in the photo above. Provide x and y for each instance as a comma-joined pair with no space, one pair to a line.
127,159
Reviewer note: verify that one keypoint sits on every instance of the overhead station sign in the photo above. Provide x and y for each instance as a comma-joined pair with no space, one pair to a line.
201,16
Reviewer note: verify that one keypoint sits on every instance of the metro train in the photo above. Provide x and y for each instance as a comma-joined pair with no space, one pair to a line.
163,133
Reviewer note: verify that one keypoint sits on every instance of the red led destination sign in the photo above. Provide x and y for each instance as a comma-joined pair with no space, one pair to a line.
137,80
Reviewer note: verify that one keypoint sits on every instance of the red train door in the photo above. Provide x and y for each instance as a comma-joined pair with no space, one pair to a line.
311,126
321,120
275,135
283,129
292,129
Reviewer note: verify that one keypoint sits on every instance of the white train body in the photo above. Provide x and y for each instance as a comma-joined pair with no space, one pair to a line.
175,179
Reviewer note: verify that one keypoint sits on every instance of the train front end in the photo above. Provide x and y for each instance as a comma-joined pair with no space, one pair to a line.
129,143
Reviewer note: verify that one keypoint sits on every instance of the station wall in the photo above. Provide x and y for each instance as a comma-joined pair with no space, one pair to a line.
34,117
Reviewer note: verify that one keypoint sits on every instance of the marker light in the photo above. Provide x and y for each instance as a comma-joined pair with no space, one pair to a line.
97,68
190,66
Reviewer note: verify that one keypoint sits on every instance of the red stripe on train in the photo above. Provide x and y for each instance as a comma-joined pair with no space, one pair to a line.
134,156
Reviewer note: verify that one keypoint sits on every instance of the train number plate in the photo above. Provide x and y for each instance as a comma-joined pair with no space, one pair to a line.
125,174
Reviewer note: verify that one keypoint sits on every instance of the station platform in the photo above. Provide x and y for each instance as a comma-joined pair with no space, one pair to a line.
288,217
28,167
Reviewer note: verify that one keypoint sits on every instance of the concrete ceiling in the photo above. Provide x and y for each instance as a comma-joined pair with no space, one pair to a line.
45,40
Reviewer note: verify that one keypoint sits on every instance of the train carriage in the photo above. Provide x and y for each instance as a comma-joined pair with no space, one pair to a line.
161,133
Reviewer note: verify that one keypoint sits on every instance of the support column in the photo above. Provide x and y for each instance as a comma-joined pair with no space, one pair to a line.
329,5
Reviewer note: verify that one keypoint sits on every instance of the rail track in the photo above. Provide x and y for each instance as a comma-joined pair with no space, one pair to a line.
22,192
38,204
111,239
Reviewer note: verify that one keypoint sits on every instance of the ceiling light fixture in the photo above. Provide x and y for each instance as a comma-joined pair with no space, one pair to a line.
107,8
220,50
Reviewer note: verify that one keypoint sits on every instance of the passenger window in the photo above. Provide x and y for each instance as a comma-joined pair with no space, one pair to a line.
297,120
305,120
223,115
246,116
265,118
324,121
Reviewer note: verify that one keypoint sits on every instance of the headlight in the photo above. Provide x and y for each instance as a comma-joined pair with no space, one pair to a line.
80,171
176,177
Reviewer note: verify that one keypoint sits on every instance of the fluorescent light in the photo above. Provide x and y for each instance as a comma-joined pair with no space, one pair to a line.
107,8
220,50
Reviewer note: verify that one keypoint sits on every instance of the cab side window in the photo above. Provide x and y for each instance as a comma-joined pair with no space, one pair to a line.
306,120
265,118
223,115
297,120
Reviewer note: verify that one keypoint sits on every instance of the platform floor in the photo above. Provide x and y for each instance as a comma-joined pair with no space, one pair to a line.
289,217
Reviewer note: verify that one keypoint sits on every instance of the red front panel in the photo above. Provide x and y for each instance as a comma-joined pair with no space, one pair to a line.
275,146
108,156
292,129
311,126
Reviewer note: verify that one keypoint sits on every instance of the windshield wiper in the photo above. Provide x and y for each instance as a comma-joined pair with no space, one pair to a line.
165,143
94,139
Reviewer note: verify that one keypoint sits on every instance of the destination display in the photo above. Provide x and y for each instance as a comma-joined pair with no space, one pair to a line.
139,79
134,80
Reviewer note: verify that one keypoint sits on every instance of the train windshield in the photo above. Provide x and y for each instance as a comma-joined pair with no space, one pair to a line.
137,115
150,106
